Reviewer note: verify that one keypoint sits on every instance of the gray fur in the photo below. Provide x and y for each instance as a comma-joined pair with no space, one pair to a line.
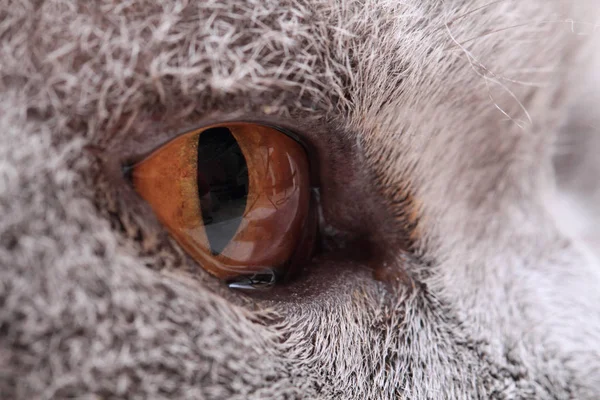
457,104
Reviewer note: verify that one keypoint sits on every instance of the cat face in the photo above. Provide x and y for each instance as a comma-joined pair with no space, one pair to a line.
434,127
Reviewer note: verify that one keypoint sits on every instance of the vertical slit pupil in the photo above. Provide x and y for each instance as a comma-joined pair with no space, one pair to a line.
222,179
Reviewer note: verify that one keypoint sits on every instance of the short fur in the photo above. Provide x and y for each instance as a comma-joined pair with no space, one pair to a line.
435,124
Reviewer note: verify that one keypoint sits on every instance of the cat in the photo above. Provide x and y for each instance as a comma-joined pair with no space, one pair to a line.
456,150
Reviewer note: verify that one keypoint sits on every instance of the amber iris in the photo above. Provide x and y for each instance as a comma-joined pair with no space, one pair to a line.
236,197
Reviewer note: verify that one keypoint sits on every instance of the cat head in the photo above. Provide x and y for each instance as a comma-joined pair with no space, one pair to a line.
434,126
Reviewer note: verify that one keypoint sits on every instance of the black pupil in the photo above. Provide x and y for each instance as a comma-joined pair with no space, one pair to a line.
222,186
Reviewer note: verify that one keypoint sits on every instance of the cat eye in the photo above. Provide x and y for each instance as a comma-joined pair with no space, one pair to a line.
237,198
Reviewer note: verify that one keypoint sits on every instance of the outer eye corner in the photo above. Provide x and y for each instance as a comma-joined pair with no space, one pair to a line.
127,171
237,198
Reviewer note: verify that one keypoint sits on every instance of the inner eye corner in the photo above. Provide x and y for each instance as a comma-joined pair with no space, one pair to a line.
237,197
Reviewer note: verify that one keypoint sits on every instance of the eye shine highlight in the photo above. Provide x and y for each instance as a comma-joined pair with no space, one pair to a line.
236,197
